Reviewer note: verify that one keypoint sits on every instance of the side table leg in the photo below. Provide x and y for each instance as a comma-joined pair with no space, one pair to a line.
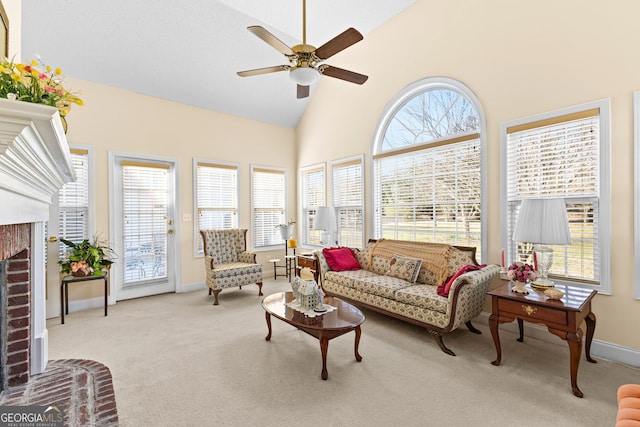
62,303
324,347
493,326
268,317
521,330
575,346
357,343
105,296
590,320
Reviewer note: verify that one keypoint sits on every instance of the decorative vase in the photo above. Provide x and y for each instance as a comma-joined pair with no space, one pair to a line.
518,287
82,272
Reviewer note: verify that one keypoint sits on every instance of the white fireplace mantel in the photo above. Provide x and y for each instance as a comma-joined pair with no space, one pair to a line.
34,160
35,163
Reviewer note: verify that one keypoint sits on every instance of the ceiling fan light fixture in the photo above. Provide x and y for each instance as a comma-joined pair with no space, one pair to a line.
304,76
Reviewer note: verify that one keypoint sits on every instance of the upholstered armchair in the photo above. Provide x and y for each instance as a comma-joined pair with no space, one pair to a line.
227,262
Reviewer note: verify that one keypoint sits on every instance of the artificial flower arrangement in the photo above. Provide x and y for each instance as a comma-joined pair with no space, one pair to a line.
85,258
35,82
521,272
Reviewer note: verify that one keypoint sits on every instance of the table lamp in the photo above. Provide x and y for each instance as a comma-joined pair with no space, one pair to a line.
325,219
543,222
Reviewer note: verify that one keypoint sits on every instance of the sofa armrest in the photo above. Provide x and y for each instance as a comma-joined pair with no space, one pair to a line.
322,263
248,257
469,291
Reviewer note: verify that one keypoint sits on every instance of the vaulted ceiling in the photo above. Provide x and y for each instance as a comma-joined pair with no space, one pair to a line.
189,51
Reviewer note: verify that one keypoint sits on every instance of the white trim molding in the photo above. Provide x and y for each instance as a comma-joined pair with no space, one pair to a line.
636,195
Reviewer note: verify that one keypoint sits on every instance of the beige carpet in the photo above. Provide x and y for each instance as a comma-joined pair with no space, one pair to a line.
177,360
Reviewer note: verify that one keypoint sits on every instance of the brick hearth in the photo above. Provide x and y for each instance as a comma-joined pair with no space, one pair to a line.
83,387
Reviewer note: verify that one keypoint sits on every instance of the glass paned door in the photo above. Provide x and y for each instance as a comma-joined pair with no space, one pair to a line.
144,228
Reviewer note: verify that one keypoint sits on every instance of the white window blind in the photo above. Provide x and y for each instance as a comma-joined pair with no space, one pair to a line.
313,195
73,203
348,200
145,201
216,198
431,194
268,195
559,157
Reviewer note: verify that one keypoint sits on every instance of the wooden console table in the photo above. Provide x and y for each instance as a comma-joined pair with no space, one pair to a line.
64,291
310,262
562,317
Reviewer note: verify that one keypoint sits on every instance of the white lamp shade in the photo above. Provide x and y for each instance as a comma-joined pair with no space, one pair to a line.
304,76
542,221
325,219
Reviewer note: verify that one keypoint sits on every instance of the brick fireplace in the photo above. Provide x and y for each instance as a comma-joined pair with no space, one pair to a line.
34,163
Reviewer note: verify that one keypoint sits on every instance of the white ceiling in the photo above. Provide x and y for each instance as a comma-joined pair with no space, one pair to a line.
189,51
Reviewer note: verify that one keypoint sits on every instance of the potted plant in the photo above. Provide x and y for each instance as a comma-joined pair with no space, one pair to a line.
85,258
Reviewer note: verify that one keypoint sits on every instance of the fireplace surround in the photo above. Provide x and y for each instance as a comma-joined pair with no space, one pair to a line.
34,164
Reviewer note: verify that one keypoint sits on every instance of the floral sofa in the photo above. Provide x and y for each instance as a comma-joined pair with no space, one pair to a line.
448,289
227,263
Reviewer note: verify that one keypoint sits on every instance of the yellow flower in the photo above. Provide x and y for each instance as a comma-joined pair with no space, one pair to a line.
58,71
16,77
20,67
1,68
48,67
34,63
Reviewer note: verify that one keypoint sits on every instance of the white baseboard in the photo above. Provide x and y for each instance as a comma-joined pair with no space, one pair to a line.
192,287
600,349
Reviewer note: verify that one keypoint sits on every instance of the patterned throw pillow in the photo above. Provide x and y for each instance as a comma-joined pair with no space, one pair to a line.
405,268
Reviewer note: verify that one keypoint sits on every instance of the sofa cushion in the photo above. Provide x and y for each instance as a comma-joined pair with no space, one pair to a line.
341,259
346,278
384,286
404,268
424,296
235,269
457,259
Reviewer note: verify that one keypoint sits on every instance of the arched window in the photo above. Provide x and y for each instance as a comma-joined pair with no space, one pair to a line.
428,152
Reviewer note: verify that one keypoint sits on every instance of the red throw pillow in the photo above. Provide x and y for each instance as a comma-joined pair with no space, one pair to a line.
341,259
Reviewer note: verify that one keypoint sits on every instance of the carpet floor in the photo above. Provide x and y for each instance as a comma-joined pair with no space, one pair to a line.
177,360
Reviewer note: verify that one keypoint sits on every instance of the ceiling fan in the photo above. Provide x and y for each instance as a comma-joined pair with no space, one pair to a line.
306,63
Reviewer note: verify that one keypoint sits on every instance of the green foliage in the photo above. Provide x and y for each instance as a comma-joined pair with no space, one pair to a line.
85,254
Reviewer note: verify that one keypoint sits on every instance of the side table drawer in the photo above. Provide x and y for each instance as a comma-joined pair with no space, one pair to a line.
528,311
307,262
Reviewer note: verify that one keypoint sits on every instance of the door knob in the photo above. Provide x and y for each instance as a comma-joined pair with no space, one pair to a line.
53,239
170,231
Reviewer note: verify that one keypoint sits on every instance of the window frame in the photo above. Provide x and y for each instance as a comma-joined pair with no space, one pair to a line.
396,104
604,188
345,162
305,223
196,222
284,220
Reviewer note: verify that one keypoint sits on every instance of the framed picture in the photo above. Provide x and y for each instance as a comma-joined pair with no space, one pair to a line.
4,32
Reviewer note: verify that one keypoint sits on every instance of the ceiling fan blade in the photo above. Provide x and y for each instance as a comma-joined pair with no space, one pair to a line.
342,74
339,43
265,70
303,91
270,39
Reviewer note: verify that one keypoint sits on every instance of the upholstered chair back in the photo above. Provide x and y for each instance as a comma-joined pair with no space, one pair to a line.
224,245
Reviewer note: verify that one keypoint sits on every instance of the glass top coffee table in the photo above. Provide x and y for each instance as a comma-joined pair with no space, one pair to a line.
344,319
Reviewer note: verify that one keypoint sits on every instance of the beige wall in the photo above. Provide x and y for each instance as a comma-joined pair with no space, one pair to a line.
14,14
121,121
520,59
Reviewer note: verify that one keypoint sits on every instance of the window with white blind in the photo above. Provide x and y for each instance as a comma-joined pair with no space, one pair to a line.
313,194
428,166
347,176
563,154
216,198
74,203
268,205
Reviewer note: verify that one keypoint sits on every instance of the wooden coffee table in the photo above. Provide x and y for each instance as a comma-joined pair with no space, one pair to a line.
324,327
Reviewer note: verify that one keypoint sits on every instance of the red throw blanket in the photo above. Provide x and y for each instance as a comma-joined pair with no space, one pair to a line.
443,290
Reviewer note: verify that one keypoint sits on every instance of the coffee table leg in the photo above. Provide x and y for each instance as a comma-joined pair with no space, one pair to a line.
268,317
324,347
357,343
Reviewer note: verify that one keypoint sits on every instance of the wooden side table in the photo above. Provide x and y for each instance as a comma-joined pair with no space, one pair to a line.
64,291
310,262
562,317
